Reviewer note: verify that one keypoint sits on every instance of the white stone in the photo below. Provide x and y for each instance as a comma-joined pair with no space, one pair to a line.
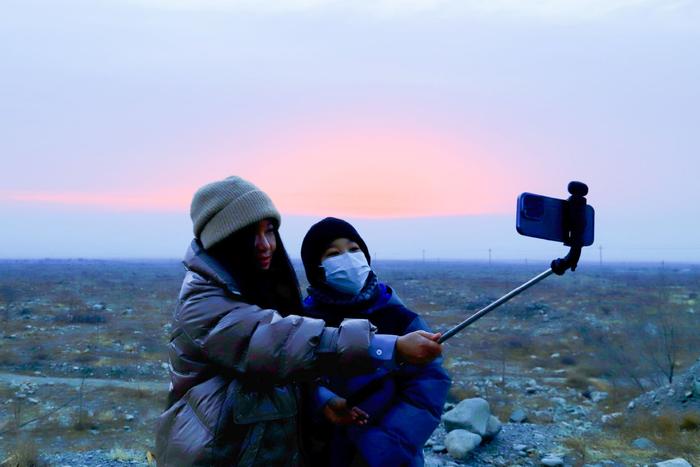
552,461
677,462
493,427
460,443
518,416
470,414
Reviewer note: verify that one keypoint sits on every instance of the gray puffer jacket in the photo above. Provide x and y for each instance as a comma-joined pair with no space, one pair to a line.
232,400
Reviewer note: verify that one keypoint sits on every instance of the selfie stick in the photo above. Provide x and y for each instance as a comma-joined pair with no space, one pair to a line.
574,227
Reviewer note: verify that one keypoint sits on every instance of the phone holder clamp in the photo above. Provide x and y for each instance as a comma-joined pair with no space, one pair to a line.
574,226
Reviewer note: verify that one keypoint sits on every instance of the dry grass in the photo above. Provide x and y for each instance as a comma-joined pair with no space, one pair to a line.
674,434
578,381
459,393
126,455
25,454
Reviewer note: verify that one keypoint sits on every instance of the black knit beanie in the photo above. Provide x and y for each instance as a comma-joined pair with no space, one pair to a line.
317,240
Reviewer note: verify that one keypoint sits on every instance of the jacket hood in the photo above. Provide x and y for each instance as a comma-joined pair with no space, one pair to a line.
199,261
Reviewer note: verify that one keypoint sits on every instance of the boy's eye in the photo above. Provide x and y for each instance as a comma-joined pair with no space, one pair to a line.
332,253
355,249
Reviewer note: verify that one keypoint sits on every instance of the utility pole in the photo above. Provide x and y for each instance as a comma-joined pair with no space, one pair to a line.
600,247
489,256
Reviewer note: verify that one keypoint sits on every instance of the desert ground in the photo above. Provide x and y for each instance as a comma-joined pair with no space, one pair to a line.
595,360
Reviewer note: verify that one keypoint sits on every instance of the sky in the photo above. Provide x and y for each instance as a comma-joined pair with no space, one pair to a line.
420,121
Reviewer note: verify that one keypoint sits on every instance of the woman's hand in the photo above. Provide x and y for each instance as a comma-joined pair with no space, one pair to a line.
418,347
337,412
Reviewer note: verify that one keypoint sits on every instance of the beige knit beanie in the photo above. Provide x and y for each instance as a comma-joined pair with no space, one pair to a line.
224,207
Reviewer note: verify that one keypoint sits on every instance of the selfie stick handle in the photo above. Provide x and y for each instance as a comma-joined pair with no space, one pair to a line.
513,293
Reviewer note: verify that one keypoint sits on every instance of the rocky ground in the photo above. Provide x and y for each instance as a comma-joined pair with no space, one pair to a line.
82,351
683,394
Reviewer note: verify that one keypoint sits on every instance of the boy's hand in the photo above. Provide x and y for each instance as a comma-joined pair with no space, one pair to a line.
337,412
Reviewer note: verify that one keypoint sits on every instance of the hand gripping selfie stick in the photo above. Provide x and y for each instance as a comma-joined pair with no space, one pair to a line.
574,228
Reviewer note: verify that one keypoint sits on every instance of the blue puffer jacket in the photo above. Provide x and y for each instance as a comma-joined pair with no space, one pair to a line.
404,404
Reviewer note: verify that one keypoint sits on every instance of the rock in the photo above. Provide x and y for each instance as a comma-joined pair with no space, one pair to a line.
519,447
439,448
552,461
643,443
433,462
493,427
518,416
678,462
470,414
607,418
597,396
460,443
631,405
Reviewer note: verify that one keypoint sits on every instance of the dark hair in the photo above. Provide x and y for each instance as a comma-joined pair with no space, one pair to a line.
276,288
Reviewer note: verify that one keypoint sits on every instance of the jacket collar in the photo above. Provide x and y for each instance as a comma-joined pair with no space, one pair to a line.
199,261
373,296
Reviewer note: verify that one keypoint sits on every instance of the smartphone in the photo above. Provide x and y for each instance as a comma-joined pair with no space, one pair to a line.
543,217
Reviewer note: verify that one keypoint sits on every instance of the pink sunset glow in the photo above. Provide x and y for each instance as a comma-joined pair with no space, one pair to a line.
373,170
378,171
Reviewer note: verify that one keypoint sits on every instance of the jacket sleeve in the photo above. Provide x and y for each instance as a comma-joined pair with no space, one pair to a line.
413,416
261,343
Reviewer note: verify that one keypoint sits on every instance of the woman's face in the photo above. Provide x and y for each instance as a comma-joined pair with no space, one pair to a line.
340,246
265,244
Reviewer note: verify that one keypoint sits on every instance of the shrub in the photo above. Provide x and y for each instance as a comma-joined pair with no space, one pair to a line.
86,317
577,381
690,421
25,454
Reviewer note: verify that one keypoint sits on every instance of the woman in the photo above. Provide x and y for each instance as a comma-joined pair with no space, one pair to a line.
402,406
234,360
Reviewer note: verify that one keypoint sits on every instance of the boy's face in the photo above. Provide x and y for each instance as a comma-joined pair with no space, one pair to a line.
340,246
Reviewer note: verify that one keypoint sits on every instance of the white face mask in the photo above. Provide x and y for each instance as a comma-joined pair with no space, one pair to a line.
347,272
